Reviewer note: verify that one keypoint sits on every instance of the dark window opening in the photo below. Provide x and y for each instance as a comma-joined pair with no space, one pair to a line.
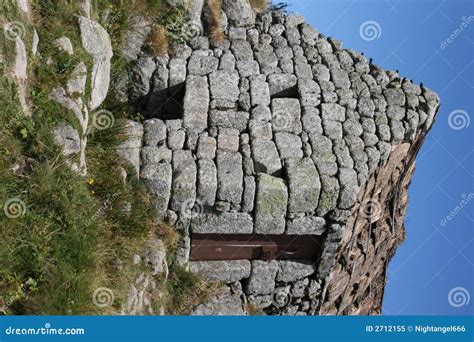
291,92
206,247
167,104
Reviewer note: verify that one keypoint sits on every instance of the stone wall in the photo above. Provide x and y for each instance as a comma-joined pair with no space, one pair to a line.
279,130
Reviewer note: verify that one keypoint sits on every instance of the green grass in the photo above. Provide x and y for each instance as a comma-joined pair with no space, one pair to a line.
66,242
185,290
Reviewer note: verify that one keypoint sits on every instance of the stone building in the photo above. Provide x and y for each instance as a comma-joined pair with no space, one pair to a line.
283,159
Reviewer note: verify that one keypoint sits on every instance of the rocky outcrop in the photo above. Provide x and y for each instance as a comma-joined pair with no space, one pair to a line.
16,66
239,13
278,130
149,267
96,41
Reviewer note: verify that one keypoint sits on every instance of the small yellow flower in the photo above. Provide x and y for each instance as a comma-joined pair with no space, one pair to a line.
90,181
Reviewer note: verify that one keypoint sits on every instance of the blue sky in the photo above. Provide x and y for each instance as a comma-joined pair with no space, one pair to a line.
433,270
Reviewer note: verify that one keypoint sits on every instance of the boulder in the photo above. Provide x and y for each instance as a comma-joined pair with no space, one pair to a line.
140,28
270,205
64,45
196,103
225,271
309,225
239,12
229,176
96,42
265,156
68,138
222,223
290,271
262,277
303,184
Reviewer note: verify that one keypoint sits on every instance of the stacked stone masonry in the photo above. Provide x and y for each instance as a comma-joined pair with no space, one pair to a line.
278,130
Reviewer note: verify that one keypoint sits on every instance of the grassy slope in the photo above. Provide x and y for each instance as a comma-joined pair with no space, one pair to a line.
51,257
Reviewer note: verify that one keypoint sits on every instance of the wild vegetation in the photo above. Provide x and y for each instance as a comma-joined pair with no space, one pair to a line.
61,235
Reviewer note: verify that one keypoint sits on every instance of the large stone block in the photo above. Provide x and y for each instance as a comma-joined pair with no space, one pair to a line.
239,12
228,139
262,277
229,119
308,225
225,271
176,139
286,115
311,120
202,65
221,304
266,59
129,150
265,156
332,129
289,145
155,154
322,148
270,206
394,96
340,78
303,184
229,176
333,112
282,84
155,132
396,112
177,71
259,92
248,198
196,103
349,188
309,92
222,223
328,196
184,180
157,179
259,129
242,50
207,182
206,147
290,271
224,85
248,68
